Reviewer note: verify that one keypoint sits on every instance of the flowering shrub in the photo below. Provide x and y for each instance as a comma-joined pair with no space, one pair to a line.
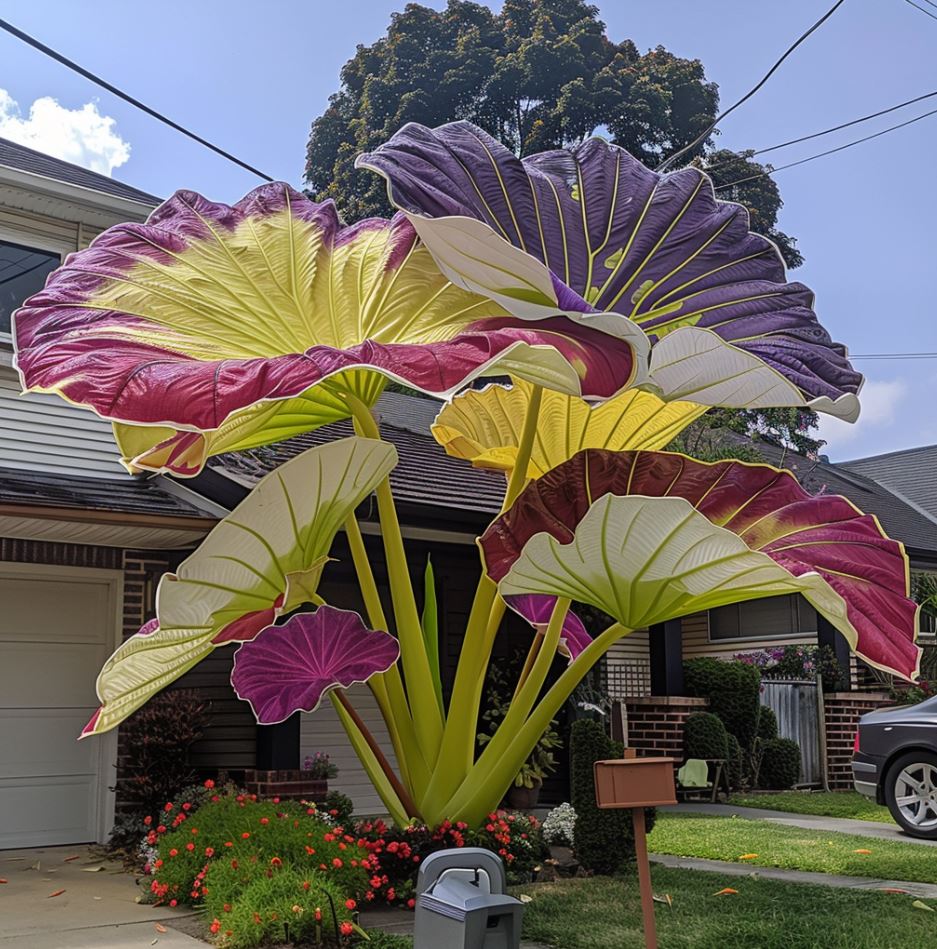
516,838
797,662
241,831
320,766
558,826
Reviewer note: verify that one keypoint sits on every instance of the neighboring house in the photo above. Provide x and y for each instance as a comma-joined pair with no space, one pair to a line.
910,475
786,620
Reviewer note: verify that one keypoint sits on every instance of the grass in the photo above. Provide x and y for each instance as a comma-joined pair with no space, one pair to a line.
604,913
792,848
818,803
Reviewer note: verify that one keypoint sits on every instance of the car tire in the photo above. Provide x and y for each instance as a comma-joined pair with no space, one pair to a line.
913,773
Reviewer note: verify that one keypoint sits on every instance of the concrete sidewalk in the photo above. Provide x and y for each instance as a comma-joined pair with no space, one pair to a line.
842,825
926,891
97,907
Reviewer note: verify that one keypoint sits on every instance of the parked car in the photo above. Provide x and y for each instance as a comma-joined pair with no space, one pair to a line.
895,763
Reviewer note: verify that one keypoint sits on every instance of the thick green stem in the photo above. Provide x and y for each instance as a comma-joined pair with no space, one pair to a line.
399,790
395,807
388,687
457,751
497,765
427,717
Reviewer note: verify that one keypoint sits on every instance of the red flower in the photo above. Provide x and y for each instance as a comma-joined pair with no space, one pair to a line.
173,902
161,829
168,807
318,915
350,904
215,925
306,885
147,820
276,862
209,851
337,862
190,846
187,806
346,929
173,852
245,835
411,903
209,784
265,820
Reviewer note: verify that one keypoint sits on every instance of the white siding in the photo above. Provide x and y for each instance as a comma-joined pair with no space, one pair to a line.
322,730
46,433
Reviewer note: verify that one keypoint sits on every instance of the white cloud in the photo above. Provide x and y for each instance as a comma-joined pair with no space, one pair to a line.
82,136
880,401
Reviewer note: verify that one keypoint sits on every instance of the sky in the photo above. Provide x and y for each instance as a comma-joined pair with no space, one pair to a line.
253,81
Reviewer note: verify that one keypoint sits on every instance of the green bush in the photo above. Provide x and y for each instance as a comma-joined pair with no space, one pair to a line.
603,840
340,807
255,904
767,724
735,761
733,690
704,736
780,764
241,831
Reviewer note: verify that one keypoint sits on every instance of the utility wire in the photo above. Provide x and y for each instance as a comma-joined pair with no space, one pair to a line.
829,151
835,128
705,134
65,61
925,12
893,356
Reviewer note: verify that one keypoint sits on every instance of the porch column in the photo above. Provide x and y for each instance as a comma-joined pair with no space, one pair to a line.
829,635
278,745
666,655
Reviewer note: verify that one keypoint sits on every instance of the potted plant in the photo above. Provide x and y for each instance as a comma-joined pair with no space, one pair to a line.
558,828
541,762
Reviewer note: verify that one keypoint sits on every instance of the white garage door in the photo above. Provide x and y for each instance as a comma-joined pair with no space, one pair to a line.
56,629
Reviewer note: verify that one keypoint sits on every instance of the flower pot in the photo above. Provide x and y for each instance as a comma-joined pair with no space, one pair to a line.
523,799
563,856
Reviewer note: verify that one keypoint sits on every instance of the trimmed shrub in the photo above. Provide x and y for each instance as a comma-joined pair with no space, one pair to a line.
767,724
704,736
780,764
733,690
603,841
340,807
735,761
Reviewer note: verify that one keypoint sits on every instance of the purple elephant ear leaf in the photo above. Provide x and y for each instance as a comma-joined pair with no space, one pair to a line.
536,609
289,668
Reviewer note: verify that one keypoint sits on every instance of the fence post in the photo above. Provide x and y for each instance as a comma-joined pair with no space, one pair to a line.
821,726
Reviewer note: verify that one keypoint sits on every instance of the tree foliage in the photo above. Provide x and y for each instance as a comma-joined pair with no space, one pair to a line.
542,74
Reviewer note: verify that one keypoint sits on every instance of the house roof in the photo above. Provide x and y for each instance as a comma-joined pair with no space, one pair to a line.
21,158
129,496
427,477
911,474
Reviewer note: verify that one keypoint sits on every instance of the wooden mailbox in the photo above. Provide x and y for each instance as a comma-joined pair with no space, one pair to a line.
636,783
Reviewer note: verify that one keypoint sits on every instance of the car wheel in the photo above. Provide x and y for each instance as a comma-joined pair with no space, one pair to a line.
911,793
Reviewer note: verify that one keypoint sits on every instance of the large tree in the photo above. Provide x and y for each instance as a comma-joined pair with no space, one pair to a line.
540,74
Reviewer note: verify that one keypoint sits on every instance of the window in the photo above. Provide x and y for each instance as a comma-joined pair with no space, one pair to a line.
23,271
771,618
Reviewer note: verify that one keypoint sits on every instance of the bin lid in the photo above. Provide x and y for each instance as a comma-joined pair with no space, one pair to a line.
455,899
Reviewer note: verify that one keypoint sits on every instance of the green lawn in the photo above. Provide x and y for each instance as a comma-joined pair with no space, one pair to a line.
604,913
818,803
793,848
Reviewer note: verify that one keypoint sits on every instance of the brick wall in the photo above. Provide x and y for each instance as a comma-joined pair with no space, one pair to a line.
842,711
655,723
286,784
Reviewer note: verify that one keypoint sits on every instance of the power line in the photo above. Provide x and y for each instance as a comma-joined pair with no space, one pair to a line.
835,128
705,134
893,356
829,151
65,61
925,12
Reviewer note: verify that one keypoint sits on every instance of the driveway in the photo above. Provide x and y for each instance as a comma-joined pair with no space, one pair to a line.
58,897
865,828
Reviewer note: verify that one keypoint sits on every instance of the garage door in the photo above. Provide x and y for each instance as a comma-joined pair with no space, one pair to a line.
55,632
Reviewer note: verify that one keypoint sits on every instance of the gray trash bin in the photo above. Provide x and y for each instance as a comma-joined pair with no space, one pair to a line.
461,903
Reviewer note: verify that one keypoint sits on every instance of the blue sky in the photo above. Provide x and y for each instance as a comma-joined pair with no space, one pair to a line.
253,81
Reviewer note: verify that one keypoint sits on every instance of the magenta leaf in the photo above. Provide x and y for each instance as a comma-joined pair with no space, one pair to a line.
289,668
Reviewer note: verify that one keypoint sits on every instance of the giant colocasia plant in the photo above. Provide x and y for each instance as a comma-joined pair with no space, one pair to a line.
621,304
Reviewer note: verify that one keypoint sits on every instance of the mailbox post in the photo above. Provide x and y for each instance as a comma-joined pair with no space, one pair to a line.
636,783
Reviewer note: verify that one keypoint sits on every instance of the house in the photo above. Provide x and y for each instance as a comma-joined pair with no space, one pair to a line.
910,474
83,545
